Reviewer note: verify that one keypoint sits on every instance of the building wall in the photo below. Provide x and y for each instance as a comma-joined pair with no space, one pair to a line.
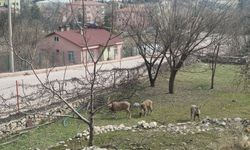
58,51
132,15
111,53
2,3
16,5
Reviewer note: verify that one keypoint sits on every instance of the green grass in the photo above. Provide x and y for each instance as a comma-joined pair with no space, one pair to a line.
191,87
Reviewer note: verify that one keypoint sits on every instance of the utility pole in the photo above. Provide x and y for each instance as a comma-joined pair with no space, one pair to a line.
10,39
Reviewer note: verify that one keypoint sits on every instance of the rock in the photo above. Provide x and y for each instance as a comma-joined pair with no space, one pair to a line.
153,124
61,142
215,121
145,125
177,129
219,129
87,137
245,138
170,125
79,135
121,126
222,123
140,123
245,122
65,145
136,105
97,129
70,139
183,143
180,124
206,125
238,119
128,128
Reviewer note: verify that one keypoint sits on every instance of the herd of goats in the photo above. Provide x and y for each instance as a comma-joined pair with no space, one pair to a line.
146,107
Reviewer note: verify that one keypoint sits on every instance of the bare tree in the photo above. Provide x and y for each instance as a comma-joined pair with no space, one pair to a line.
187,28
213,66
146,37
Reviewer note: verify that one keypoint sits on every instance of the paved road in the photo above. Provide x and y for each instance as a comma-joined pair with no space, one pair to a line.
8,81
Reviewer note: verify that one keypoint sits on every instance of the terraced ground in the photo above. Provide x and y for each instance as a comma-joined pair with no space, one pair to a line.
192,87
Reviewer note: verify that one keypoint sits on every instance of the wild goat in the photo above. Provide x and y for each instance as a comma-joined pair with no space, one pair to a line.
146,106
195,112
120,106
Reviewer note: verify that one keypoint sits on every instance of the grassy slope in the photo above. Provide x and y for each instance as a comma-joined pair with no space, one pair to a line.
191,88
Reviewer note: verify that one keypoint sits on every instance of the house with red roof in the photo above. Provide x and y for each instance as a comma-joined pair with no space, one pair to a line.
67,47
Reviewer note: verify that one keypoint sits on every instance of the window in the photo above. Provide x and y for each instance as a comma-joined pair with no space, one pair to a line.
89,59
109,53
71,57
115,52
56,38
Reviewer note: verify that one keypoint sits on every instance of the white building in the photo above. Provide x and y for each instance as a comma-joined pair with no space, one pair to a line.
15,4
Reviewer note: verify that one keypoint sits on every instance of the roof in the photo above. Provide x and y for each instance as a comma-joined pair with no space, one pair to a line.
94,37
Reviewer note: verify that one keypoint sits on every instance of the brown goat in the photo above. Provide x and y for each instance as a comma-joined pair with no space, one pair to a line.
195,112
146,106
120,106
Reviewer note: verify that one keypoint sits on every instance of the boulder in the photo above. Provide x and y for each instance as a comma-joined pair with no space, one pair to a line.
238,119
79,135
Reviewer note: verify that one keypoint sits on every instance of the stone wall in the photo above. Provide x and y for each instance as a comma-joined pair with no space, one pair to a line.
26,120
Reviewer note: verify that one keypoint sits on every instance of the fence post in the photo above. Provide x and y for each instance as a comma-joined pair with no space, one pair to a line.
17,97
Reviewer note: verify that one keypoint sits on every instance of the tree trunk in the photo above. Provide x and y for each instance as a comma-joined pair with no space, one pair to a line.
171,81
212,79
152,82
91,130
214,64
